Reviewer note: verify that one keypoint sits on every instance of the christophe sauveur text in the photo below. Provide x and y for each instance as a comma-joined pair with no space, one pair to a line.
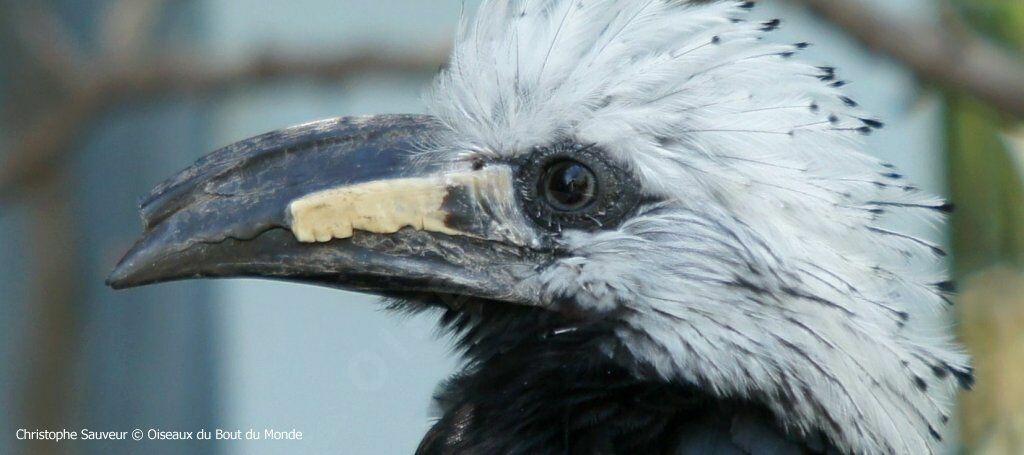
156,434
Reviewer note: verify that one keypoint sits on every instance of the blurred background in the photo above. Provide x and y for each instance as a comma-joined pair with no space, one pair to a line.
101,100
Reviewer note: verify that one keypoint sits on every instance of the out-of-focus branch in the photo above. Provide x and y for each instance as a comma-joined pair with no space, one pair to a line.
54,286
45,40
952,56
127,27
48,139
189,77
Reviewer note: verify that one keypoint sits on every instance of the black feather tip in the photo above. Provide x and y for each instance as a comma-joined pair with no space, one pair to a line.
770,25
964,377
920,383
946,286
873,123
828,73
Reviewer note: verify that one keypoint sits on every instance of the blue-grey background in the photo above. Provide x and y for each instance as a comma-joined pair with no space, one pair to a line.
249,354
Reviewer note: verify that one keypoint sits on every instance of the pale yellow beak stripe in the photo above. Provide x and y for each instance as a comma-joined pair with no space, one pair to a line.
387,206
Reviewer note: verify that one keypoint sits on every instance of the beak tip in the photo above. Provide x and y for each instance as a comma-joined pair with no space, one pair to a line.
129,271
114,283
120,277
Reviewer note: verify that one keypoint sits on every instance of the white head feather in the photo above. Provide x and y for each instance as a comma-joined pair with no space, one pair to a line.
768,272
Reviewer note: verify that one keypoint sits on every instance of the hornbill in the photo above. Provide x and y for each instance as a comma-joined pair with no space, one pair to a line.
650,230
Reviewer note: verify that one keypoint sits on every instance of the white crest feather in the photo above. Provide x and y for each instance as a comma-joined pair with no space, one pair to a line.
769,271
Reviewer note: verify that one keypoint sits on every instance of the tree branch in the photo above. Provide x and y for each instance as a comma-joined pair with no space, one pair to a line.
963,61
46,141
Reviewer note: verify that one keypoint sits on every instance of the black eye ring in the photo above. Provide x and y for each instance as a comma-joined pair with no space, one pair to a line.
568,185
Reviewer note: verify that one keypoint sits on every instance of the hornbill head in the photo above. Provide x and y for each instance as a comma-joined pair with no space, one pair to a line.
648,173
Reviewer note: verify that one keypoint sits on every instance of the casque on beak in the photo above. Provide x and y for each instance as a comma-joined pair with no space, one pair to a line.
341,203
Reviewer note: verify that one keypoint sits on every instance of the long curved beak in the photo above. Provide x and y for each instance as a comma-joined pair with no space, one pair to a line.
342,203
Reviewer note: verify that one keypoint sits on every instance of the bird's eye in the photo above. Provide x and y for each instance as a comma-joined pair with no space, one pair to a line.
573,186
568,185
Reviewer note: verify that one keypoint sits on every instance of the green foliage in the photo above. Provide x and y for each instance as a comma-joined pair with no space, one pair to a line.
988,226
985,179
1000,20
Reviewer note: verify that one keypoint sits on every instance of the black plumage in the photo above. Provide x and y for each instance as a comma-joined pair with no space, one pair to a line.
538,382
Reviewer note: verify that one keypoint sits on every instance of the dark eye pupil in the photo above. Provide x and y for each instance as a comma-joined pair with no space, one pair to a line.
569,185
